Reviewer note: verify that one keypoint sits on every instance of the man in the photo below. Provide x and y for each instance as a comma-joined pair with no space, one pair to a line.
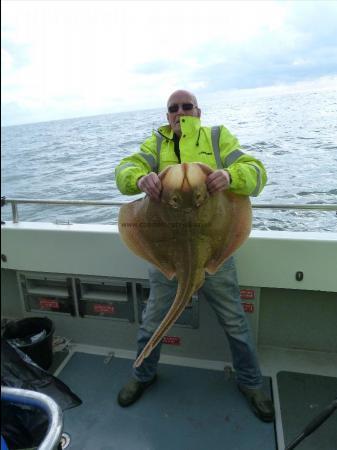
184,140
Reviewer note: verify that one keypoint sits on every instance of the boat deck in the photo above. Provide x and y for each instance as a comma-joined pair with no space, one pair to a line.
189,408
288,282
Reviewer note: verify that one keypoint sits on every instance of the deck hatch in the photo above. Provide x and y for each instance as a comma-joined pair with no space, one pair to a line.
43,292
104,297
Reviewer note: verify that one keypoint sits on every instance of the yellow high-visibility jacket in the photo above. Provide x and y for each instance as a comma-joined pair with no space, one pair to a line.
216,147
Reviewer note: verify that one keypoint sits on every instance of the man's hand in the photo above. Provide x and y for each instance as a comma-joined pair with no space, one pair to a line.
217,181
151,185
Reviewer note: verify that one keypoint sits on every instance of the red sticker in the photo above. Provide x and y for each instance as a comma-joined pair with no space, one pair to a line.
172,340
247,294
48,303
104,309
248,307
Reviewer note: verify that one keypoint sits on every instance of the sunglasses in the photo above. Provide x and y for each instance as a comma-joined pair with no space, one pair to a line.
185,107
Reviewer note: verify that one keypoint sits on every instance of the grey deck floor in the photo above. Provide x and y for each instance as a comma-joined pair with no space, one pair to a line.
302,398
187,409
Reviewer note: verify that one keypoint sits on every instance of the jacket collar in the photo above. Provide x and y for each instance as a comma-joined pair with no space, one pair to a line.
189,126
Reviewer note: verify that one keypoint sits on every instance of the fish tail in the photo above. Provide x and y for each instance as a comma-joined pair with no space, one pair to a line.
184,293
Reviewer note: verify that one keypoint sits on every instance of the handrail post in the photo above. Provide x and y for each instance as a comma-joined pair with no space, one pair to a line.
15,213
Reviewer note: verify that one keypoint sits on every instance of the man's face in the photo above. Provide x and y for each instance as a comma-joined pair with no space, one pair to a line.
181,104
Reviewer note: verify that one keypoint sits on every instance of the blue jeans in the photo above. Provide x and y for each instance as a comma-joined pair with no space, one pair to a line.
222,292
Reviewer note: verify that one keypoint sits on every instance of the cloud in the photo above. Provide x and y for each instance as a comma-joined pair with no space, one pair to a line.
302,49
157,67
6,60
84,58
247,69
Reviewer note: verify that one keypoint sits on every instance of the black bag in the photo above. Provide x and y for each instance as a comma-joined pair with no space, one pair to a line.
24,426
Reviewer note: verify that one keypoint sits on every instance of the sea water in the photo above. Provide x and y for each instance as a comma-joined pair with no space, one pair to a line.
293,133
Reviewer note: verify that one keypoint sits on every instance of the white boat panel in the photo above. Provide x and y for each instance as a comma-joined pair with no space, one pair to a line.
267,259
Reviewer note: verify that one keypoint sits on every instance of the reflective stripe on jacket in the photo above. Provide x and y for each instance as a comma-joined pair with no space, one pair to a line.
197,144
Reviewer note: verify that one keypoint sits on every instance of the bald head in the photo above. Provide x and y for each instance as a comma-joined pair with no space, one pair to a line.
184,103
182,93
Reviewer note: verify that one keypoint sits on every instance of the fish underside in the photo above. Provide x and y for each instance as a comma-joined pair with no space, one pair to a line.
184,234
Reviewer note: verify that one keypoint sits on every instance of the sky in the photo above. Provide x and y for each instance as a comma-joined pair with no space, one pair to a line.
71,58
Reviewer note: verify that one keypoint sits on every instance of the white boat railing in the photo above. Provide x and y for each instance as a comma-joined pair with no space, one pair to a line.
14,202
